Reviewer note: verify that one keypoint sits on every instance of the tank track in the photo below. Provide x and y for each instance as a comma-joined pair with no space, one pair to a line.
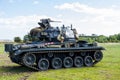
35,66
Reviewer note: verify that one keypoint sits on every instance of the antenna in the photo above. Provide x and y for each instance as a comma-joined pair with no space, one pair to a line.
71,26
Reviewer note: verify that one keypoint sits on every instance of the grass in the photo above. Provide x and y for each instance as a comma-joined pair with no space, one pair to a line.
107,69
1,48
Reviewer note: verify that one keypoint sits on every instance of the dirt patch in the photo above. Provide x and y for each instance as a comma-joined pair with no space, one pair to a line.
26,76
3,56
6,73
5,60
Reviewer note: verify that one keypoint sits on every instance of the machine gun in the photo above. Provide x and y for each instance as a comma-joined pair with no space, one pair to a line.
45,23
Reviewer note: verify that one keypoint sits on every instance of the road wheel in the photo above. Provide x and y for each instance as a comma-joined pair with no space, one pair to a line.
78,61
98,55
43,64
29,59
68,62
56,63
88,61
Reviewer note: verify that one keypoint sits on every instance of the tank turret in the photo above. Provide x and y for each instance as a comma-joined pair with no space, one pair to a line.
48,33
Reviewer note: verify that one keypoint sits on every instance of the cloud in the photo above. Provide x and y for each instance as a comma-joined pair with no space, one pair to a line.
36,2
82,8
18,26
2,13
94,20
21,20
104,21
59,15
11,1
114,6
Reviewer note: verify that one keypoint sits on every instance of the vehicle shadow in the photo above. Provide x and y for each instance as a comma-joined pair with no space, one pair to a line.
16,69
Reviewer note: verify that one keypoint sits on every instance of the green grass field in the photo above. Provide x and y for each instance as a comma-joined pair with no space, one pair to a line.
1,48
107,69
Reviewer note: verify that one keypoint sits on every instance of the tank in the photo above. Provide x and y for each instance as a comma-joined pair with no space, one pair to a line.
54,47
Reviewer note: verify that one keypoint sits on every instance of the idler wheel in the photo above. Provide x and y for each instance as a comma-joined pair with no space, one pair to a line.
43,64
56,63
88,61
68,62
78,61
98,55
29,59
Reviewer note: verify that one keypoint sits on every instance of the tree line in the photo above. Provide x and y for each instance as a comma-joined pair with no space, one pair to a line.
101,38
91,38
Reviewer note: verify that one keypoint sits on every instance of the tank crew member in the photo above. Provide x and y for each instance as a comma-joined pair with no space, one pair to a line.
75,34
60,38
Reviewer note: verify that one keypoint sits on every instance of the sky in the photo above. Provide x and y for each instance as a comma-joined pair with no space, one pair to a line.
18,17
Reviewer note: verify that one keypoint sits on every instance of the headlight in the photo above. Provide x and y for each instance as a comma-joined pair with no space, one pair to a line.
16,47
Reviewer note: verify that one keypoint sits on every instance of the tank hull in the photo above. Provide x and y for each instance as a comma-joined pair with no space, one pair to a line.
62,54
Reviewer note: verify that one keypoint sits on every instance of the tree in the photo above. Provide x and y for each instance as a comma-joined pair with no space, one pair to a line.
113,38
102,39
118,37
17,39
27,38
